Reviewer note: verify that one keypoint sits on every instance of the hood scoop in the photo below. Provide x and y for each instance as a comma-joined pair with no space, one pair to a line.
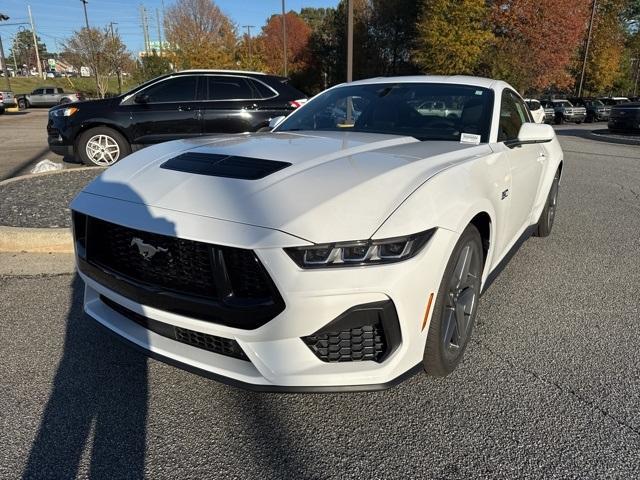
227,166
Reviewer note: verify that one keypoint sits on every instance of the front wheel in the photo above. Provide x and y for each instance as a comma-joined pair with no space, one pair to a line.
22,104
102,146
456,305
548,215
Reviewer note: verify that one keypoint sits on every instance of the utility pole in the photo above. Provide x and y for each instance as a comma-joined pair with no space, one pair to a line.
159,31
586,50
249,27
284,38
35,41
118,73
13,50
145,29
92,46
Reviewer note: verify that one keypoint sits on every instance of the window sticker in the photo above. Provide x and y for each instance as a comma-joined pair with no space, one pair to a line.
471,138
478,92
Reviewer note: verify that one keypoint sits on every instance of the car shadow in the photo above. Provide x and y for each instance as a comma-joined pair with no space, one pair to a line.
598,135
97,408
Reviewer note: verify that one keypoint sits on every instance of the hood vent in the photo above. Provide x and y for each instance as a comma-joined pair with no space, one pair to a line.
228,166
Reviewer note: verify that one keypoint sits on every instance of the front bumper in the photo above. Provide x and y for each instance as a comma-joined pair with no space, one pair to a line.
278,358
60,137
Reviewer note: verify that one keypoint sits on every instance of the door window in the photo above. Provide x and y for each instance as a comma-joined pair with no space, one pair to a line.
228,88
261,89
512,116
48,91
38,91
178,89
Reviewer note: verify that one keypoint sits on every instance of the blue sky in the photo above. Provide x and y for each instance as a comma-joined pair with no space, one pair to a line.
56,20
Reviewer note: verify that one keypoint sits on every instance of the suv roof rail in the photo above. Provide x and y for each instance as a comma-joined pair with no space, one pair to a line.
218,70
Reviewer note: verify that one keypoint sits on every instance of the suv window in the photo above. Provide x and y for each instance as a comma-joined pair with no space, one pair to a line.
228,88
38,91
261,89
512,116
533,105
178,89
48,91
59,90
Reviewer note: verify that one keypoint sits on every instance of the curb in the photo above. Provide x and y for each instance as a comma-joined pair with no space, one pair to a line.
37,240
614,138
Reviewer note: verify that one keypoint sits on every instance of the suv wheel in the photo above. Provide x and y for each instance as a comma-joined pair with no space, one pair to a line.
548,215
102,146
22,104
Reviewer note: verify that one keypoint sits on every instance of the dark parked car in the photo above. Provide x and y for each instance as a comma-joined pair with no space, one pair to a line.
596,110
625,118
178,105
611,101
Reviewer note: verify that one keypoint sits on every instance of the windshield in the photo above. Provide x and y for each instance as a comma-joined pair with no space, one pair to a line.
426,111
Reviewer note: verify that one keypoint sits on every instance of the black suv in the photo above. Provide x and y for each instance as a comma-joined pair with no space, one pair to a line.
625,118
178,105
596,110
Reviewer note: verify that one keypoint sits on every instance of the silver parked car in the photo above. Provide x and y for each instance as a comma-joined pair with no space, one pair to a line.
47,97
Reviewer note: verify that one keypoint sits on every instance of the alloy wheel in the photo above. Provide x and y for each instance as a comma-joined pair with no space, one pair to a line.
460,300
102,150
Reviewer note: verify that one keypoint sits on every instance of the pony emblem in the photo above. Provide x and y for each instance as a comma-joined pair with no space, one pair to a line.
147,251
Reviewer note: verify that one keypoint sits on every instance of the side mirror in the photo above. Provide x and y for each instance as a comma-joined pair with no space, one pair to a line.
274,122
141,98
533,133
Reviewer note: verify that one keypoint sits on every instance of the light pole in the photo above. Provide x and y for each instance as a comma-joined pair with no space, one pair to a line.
4,18
35,41
586,50
91,45
284,38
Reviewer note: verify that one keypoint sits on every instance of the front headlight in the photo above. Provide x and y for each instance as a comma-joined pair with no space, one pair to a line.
65,112
361,252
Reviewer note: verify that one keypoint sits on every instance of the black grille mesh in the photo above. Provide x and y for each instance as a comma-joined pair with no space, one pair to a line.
179,265
356,344
212,343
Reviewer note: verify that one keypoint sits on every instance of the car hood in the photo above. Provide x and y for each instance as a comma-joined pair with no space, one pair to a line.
339,186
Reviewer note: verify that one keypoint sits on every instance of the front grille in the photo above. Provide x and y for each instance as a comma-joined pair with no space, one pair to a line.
356,344
220,284
212,343
177,264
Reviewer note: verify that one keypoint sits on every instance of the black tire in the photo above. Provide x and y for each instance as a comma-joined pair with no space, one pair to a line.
124,148
445,344
578,122
548,215
22,104
559,119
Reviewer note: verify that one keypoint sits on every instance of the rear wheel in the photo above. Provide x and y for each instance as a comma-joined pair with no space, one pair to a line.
548,215
456,305
102,146
23,104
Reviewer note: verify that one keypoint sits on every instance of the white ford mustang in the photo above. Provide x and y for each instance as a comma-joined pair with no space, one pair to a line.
344,250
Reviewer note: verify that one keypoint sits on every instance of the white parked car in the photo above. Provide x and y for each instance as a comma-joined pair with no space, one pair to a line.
536,109
341,255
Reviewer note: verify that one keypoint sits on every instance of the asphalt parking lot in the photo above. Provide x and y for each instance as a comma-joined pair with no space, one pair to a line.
549,388
23,142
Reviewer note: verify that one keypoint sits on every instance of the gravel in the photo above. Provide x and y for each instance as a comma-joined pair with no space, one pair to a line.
549,387
42,201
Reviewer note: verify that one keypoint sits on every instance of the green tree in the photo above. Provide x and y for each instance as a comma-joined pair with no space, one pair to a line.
22,48
150,67
451,36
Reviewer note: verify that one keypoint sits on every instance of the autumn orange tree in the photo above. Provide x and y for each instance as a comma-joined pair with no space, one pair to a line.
451,36
536,42
200,35
270,43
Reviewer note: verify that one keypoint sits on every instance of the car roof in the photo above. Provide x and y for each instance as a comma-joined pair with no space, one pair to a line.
453,79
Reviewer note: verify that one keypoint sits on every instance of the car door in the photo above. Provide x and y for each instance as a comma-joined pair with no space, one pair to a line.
230,105
37,97
49,98
526,164
165,110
